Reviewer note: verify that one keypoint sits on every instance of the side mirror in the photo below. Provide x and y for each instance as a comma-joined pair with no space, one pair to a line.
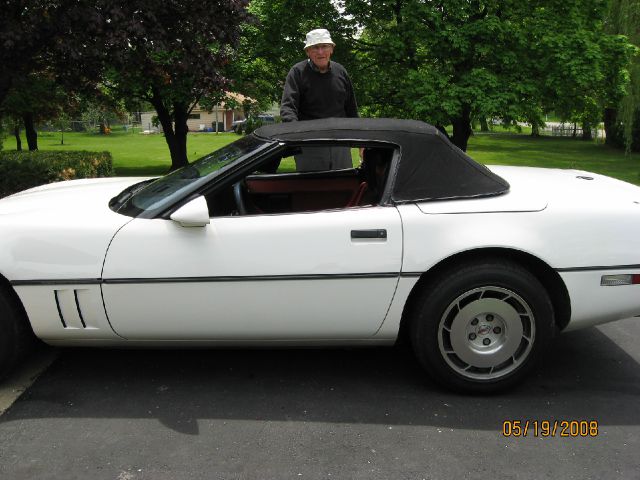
193,214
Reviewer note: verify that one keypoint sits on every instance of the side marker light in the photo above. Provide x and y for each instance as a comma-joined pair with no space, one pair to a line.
623,279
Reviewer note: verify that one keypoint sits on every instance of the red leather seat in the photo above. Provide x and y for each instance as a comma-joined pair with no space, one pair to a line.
355,199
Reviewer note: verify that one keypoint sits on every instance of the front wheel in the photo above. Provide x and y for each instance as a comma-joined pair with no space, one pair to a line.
481,327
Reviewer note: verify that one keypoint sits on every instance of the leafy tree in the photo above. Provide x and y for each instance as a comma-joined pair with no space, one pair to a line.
585,67
449,62
26,28
33,99
170,54
435,62
622,114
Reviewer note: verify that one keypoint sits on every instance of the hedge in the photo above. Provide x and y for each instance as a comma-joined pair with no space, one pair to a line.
22,170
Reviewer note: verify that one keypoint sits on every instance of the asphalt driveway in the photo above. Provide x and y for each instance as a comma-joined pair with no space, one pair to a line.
364,413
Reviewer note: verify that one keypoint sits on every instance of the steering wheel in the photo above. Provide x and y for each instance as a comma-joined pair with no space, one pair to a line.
238,196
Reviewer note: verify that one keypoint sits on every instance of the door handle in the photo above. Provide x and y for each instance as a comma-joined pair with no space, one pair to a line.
374,233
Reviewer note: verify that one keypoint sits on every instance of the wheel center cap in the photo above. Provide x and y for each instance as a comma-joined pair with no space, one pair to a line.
484,329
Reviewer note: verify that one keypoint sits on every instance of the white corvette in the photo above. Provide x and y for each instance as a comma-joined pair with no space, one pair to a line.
476,267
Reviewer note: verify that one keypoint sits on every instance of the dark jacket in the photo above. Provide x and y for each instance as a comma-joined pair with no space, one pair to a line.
309,94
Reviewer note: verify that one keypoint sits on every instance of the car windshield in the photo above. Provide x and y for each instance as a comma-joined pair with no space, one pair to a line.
164,190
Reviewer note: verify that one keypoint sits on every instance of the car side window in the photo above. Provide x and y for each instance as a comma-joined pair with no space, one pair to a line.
282,184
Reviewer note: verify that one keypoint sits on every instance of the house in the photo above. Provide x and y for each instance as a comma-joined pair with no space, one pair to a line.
201,120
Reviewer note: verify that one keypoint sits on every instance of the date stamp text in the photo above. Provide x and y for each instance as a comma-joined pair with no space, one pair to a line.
550,428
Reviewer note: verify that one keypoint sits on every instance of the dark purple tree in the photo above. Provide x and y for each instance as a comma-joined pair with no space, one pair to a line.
170,53
26,28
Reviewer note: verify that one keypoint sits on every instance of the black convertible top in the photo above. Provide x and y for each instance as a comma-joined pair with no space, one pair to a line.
430,166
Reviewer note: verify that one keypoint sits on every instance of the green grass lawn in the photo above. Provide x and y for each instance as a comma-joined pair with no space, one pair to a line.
136,154
133,153
554,152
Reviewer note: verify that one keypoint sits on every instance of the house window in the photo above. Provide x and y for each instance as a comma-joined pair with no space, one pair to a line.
194,116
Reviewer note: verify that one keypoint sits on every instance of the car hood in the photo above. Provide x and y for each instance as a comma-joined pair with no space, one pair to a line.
73,196
59,231
536,189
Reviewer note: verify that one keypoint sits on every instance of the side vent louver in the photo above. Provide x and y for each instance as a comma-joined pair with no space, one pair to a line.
75,296
55,294
68,303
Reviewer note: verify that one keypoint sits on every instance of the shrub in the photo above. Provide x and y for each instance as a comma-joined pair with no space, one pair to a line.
252,124
22,170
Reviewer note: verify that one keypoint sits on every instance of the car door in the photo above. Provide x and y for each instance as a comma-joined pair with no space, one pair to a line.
295,276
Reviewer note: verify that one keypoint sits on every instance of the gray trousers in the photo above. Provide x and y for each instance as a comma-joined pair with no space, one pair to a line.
323,158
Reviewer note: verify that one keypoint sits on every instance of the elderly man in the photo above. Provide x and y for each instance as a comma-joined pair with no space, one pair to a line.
319,88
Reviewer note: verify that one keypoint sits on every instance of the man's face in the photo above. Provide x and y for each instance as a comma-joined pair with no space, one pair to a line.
320,55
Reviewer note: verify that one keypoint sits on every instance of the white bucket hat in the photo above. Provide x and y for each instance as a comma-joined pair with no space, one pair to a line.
319,35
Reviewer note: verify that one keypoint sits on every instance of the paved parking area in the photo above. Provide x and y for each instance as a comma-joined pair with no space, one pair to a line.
369,414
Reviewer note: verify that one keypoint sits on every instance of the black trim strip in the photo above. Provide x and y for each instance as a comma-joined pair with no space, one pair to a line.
411,274
248,278
69,281
256,278
589,269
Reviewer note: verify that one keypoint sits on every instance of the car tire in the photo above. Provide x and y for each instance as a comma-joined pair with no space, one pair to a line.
481,327
16,336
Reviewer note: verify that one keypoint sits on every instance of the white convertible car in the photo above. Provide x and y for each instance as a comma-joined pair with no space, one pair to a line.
477,268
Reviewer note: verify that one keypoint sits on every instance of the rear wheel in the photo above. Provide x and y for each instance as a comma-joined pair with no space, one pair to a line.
481,327
16,336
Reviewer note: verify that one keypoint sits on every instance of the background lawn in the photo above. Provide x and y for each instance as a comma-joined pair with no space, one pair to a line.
554,152
135,154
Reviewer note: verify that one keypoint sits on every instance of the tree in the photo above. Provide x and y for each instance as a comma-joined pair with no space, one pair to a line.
622,114
586,69
444,63
32,99
449,62
169,54
26,28
98,112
